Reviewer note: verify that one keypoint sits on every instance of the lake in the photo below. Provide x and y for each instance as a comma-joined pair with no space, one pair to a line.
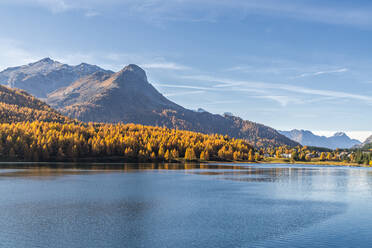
195,205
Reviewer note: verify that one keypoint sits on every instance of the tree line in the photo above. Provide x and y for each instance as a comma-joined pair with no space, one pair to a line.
17,106
54,141
314,154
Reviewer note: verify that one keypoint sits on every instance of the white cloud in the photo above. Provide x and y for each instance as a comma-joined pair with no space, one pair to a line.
55,5
282,100
183,93
222,102
327,93
166,66
181,86
118,60
256,89
323,72
252,85
259,69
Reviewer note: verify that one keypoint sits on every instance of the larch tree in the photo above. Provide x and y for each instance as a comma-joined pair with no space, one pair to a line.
190,154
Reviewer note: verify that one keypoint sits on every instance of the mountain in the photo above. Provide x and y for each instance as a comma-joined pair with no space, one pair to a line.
307,138
45,76
368,141
128,97
367,144
19,106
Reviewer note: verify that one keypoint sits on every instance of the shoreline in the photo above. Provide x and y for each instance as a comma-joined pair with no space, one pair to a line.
322,163
118,163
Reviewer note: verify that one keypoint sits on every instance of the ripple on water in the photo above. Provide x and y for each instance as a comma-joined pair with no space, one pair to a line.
249,207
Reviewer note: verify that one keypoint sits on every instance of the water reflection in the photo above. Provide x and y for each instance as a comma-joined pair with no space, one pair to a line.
237,172
117,166
40,170
304,178
177,205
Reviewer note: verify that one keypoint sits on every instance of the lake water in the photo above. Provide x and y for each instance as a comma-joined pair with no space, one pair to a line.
141,205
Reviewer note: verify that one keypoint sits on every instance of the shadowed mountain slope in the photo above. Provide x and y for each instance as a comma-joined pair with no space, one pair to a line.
128,97
19,106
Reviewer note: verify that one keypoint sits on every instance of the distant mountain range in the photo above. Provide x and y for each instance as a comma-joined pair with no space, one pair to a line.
45,76
307,138
90,93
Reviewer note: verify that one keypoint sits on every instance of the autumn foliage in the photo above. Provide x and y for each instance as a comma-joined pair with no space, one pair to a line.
53,141
17,106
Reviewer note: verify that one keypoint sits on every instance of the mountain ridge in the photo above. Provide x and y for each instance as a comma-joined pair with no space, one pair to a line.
306,137
127,96
44,76
367,144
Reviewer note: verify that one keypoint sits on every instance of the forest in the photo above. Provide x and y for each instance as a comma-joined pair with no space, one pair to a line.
53,141
33,131
17,106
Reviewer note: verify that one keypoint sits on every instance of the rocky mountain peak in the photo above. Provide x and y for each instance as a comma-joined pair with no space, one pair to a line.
85,65
42,64
42,77
201,110
339,134
46,60
132,72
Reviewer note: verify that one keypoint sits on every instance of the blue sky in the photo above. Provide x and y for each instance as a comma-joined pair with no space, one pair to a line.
287,64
